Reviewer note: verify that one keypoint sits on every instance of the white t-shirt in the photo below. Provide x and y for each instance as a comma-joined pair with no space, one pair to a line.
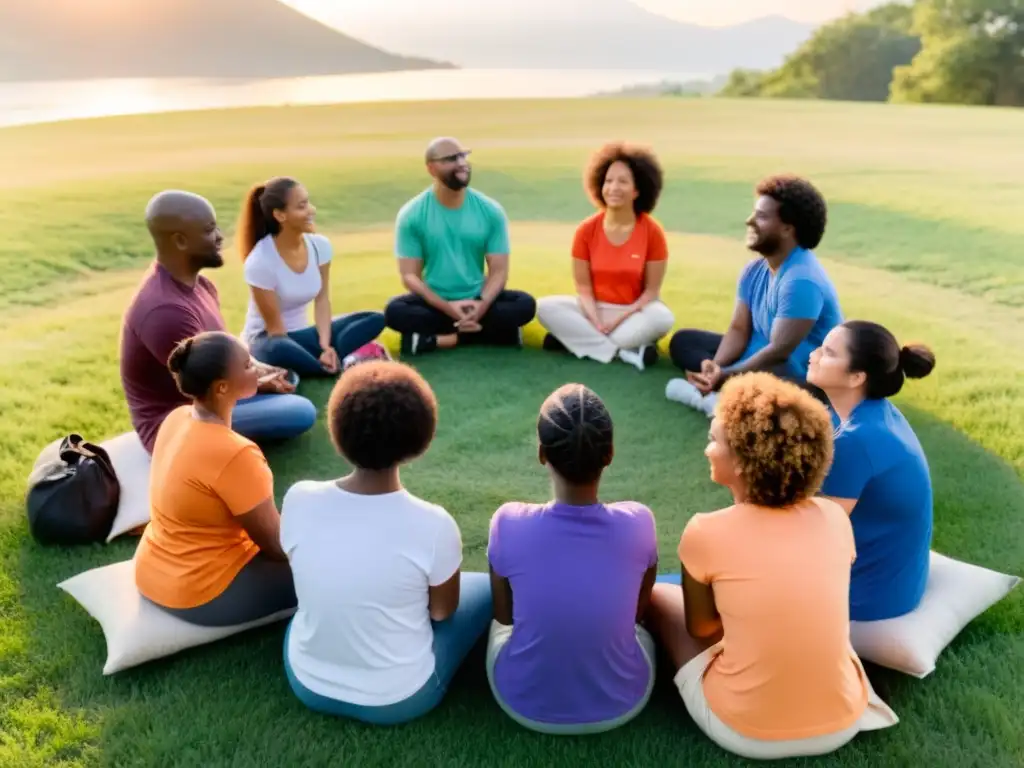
264,268
362,567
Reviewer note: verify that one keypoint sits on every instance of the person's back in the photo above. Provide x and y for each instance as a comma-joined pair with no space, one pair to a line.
781,583
363,565
162,313
576,574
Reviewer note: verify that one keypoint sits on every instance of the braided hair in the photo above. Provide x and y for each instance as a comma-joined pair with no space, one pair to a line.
575,433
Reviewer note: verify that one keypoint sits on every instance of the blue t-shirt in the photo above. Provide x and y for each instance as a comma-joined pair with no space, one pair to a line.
879,462
801,291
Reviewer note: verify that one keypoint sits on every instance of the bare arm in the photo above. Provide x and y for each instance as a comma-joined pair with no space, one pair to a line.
646,587
501,596
444,598
654,277
270,310
786,337
263,524
737,337
497,279
322,307
585,290
702,619
411,272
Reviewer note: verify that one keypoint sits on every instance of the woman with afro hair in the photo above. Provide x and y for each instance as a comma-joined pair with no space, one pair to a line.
619,256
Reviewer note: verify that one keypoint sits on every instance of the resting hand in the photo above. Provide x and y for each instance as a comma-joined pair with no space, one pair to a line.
276,384
329,360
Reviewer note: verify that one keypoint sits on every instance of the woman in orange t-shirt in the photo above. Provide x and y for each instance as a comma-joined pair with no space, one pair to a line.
759,634
211,554
619,256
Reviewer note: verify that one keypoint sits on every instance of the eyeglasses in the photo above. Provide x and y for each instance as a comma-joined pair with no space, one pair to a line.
452,158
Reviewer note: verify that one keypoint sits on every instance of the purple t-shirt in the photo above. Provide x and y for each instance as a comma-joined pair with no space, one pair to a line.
162,313
575,574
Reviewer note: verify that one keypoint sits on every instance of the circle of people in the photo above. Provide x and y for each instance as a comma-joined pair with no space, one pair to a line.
832,513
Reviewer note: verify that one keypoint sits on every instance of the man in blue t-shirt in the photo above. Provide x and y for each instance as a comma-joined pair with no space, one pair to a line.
452,246
785,302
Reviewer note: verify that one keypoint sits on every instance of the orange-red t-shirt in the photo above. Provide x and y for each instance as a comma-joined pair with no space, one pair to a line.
617,272
781,582
203,475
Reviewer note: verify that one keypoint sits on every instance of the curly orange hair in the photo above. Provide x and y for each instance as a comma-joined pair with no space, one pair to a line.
780,436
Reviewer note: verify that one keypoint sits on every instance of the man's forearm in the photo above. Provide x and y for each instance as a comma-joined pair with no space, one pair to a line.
763,360
420,288
493,286
730,348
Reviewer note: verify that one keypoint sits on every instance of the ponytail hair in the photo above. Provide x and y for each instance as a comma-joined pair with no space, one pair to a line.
875,352
198,362
257,217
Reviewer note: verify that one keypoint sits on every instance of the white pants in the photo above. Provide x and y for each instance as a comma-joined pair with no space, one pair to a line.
690,682
563,318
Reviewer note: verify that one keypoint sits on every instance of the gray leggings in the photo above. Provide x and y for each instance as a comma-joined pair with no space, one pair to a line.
262,588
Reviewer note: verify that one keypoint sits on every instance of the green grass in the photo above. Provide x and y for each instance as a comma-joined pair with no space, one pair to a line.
924,238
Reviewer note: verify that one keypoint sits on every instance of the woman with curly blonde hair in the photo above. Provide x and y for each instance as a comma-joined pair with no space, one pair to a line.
759,632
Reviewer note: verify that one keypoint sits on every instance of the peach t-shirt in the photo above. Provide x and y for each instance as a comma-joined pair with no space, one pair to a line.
203,475
781,581
617,271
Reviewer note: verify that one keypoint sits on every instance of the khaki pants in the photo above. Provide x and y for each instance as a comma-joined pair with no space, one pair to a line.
563,318
690,682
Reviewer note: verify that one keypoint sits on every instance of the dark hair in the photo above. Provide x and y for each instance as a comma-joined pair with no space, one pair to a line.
875,352
575,431
780,435
197,362
800,205
381,414
647,175
257,217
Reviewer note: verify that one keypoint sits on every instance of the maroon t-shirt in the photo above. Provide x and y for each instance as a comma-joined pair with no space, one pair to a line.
162,313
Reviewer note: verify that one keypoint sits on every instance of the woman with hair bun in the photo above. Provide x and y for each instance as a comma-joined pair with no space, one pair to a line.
210,554
571,579
287,268
880,474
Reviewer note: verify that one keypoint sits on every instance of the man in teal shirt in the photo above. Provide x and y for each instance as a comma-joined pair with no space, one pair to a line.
453,250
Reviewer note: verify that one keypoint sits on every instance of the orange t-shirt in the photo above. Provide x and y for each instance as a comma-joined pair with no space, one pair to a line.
781,581
203,475
617,271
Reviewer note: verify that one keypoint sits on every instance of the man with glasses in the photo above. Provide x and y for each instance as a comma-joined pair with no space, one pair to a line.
452,246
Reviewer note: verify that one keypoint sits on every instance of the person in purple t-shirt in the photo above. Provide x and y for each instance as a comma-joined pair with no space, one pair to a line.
570,580
173,303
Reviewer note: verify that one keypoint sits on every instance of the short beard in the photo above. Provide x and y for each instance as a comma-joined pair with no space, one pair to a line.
208,260
454,183
766,246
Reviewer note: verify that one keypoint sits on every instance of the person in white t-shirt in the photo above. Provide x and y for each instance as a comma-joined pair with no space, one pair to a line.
287,268
385,615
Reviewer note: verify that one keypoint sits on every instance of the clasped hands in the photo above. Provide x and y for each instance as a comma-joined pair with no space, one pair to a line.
272,380
470,312
709,379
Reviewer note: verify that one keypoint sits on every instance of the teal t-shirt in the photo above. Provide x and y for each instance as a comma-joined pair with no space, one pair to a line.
452,242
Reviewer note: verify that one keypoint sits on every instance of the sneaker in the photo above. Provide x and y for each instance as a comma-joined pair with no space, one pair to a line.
551,344
372,351
649,353
417,343
708,404
634,357
682,391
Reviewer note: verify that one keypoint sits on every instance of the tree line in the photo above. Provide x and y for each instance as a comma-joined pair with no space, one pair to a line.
930,51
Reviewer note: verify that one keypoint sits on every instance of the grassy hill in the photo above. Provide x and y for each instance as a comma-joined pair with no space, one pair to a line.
922,237
72,39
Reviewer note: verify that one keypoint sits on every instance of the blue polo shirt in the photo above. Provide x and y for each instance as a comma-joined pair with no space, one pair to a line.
879,462
801,290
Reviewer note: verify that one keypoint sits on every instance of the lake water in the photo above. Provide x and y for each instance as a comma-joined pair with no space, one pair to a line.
27,103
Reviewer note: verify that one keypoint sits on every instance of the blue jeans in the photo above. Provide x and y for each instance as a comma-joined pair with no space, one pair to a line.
454,638
299,351
273,417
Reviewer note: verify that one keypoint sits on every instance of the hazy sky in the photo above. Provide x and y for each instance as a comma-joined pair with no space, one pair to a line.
709,12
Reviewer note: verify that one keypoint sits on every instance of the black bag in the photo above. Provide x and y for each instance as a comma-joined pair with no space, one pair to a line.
73,493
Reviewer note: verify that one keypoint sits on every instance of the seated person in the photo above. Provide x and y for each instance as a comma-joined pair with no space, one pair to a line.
210,554
443,238
785,303
879,474
759,633
287,268
571,579
385,617
173,303
619,256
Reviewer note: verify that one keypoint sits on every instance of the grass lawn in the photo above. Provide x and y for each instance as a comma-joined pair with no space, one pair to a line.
924,237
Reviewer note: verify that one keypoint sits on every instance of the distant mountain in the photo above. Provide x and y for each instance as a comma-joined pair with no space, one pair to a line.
574,34
79,39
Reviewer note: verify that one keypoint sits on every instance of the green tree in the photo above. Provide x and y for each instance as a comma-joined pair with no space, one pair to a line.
972,53
851,59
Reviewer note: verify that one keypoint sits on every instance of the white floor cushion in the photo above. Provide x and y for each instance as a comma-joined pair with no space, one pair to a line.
955,595
135,630
131,463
